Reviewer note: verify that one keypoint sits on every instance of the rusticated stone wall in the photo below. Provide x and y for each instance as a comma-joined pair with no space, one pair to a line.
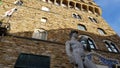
58,25
11,47
28,17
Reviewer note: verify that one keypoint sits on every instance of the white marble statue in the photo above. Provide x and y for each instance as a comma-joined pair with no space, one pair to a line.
75,52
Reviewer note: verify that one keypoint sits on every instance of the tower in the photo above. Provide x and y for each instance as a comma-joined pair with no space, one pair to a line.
42,26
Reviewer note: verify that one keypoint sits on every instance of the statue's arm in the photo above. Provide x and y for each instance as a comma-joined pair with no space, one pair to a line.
68,50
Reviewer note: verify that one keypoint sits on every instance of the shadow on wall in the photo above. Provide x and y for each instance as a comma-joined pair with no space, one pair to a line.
62,35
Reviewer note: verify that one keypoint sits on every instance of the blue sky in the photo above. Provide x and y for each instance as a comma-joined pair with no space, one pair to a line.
111,13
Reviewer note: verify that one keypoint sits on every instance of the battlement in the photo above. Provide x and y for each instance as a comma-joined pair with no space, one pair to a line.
82,5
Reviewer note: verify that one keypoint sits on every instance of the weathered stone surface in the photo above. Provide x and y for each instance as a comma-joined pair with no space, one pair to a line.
9,52
58,26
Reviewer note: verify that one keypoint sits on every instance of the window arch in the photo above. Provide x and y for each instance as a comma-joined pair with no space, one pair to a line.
101,31
111,46
81,27
92,19
40,34
77,16
74,15
87,41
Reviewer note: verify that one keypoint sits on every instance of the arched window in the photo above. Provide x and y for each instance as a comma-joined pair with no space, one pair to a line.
93,19
111,46
90,19
40,34
81,27
101,31
75,15
87,42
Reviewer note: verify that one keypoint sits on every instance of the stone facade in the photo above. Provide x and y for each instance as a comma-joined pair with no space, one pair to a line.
11,47
59,22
